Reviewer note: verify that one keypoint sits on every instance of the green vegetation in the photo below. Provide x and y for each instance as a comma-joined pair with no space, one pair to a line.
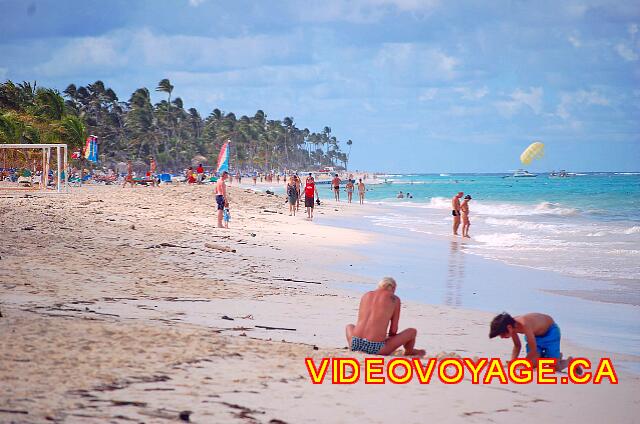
138,129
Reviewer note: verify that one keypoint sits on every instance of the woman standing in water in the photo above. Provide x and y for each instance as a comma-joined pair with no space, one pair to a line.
464,209
349,188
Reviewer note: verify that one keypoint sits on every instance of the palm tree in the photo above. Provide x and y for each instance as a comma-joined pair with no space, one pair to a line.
349,143
73,131
165,87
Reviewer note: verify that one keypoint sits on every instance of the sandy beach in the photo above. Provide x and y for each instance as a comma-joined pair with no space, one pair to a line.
122,305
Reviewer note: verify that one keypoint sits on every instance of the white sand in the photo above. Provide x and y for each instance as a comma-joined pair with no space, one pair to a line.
101,322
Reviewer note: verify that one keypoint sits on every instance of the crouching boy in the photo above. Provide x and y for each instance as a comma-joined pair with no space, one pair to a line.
541,334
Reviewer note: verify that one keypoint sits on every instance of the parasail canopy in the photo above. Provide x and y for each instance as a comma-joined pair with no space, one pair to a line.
534,151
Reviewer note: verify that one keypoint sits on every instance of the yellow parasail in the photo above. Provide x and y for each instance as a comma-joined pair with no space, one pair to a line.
534,151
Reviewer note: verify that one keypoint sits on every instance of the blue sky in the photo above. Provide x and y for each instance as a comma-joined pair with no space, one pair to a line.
419,86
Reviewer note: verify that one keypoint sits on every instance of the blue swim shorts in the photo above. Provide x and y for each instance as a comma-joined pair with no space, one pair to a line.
548,345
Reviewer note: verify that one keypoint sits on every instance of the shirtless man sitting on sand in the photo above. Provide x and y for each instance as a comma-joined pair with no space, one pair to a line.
541,335
379,310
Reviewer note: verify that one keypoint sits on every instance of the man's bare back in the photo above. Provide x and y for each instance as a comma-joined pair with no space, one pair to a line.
379,311
377,308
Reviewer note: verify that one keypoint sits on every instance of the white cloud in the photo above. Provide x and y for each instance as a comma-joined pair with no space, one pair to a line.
142,48
575,41
417,60
196,3
569,101
360,11
84,53
428,94
626,52
471,94
520,99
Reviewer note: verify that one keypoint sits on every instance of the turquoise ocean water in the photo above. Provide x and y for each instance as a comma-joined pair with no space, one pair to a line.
586,225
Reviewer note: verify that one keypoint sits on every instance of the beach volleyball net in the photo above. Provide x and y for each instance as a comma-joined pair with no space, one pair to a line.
34,167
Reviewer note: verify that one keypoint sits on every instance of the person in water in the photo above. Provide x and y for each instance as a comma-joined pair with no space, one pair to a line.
336,187
541,335
376,331
455,211
400,195
464,210
361,190
349,188
221,196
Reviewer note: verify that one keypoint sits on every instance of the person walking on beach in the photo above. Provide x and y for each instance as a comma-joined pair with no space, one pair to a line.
299,189
464,209
376,331
292,195
221,196
152,168
541,334
335,183
310,192
361,190
200,172
455,211
349,188
129,177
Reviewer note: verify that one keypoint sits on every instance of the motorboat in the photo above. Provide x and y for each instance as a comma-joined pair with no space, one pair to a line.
561,174
522,173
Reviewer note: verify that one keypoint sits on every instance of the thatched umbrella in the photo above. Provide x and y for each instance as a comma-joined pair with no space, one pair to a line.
121,167
140,167
199,159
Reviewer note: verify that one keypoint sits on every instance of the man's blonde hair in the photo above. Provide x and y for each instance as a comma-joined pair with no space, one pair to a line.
386,283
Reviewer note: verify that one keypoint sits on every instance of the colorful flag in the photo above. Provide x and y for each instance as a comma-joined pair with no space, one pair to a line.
223,158
91,149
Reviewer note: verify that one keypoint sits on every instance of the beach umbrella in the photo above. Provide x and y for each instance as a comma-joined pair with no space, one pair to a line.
140,167
534,151
121,167
198,159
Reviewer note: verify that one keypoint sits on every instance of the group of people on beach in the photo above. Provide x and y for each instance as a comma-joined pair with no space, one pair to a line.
295,191
349,187
376,331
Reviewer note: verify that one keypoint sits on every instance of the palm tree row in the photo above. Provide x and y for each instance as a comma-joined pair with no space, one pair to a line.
173,135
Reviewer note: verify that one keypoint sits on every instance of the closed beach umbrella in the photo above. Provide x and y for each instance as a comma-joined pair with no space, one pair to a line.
534,151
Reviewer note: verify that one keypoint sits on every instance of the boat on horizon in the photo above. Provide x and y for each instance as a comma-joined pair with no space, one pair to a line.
561,174
523,173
